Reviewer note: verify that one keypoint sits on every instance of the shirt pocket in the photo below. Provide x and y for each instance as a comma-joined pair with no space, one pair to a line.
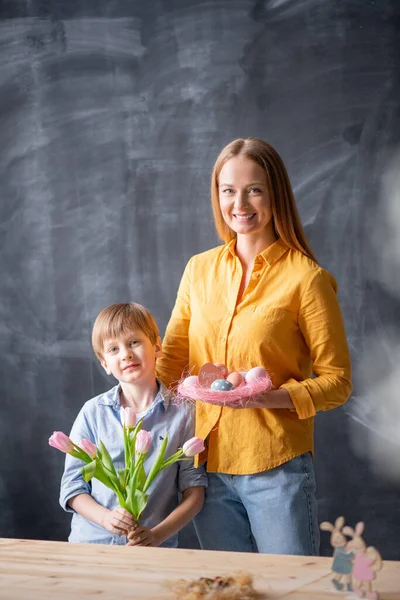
276,323
269,313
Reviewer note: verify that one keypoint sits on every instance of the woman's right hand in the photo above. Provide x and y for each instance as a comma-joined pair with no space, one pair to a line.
119,521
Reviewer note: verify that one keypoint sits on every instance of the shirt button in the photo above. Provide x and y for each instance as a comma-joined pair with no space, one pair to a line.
223,339
256,274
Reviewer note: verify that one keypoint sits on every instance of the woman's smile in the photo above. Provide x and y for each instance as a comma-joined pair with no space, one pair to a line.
244,218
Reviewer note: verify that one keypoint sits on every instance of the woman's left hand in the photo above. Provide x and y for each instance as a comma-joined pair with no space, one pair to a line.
142,536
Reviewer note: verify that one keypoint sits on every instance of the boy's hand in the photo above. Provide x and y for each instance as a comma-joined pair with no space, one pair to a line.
119,521
142,536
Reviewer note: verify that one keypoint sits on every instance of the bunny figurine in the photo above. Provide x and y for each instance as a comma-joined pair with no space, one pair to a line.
342,558
367,561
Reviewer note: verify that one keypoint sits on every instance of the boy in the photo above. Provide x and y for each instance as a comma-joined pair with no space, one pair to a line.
125,339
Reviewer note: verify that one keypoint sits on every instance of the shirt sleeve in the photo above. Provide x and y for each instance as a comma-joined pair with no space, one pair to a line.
72,482
175,357
188,474
321,324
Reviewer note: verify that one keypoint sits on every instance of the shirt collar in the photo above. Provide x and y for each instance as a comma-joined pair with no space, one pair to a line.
270,254
230,247
274,251
112,397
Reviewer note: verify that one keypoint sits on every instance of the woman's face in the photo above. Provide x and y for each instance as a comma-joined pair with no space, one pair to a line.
244,198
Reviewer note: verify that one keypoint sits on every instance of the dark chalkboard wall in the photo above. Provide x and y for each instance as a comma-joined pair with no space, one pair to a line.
111,115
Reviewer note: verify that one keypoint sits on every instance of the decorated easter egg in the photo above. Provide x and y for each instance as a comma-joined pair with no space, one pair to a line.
222,368
221,385
191,380
207,374
235,378
255,373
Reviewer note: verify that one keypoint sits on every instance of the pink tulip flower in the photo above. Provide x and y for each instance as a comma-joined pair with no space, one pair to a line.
193,446
143,442
61,441
128,417
88,447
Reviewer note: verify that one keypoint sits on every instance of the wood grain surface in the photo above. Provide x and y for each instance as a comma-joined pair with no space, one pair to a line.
41,570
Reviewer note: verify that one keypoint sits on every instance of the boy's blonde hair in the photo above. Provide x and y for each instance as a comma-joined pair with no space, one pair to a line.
286,219
120,319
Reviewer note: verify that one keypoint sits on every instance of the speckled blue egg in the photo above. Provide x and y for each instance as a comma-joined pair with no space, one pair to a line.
222,385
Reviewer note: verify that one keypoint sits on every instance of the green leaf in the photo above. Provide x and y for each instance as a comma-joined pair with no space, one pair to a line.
126,447
103,476
136,502
130,497
135,473
123,477
177,457
111,481
106,459
107,468
132,440
141,500
77,452
141,477
88,471
95,470
156,467
138,426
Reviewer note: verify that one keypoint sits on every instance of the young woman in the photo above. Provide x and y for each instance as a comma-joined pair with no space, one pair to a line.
261,299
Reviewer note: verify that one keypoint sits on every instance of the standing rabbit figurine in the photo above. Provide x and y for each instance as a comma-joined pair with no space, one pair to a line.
367,562
342,559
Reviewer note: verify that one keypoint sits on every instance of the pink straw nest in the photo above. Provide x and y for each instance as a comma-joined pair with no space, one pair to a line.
237,396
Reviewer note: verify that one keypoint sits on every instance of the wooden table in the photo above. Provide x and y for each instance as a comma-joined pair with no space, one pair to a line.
39,570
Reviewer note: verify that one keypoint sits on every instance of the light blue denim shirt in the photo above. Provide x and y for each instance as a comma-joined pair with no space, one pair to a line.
99,419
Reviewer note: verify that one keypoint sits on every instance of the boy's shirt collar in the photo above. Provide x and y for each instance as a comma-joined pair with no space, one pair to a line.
112,397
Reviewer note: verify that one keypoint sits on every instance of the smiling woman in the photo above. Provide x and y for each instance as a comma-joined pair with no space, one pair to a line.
261,299
244,199
245,206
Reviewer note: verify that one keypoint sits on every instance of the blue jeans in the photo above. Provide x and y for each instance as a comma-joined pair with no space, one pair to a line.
273,512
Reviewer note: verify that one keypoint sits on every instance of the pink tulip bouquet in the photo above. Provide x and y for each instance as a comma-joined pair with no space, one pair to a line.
131,483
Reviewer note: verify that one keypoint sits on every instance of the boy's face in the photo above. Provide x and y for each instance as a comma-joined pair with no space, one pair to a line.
131,358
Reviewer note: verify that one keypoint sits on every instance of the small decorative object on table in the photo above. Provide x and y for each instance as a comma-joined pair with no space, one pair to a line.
235,587
354,565
130,484
216,385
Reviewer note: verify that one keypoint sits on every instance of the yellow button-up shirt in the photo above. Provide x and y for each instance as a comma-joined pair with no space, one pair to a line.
288,321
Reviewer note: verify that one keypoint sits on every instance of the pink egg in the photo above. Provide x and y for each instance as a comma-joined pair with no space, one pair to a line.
191,380
222,368
235,378
255,373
